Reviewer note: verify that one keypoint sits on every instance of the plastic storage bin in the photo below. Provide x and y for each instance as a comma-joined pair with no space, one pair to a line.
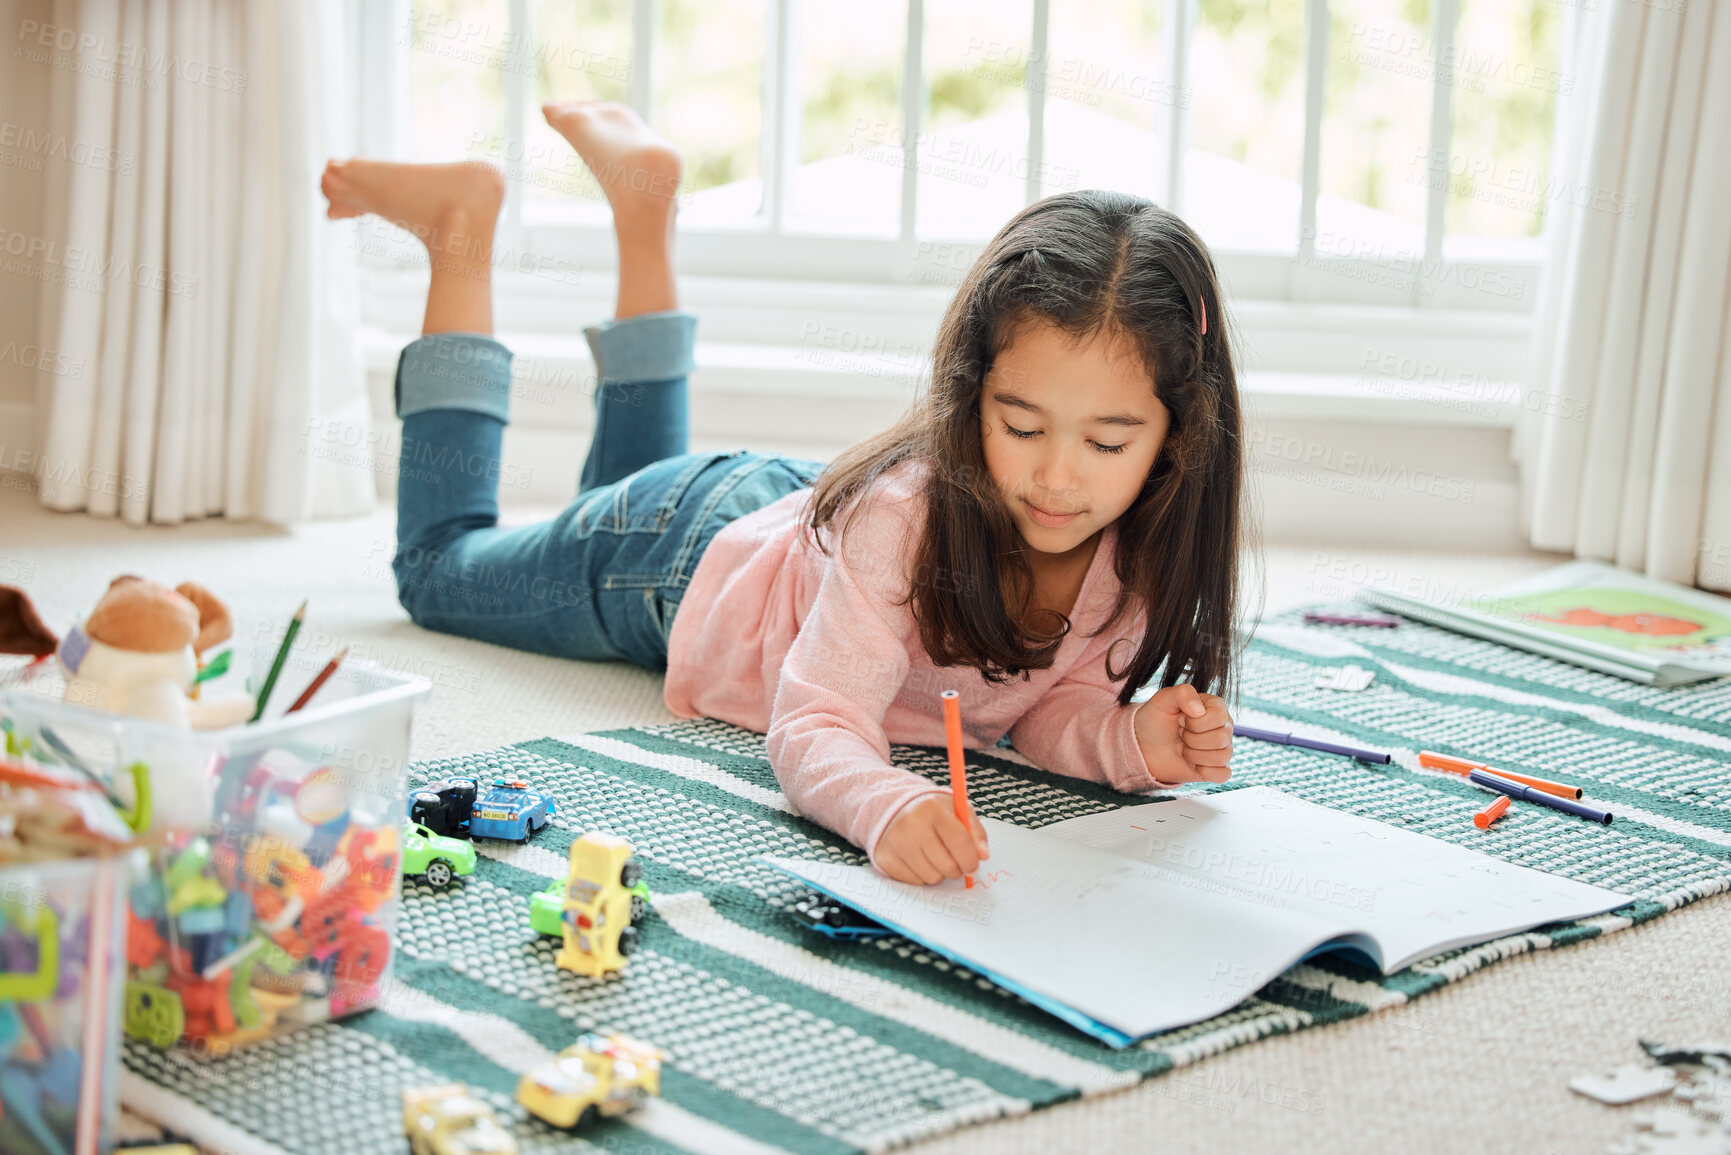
62,956
274,900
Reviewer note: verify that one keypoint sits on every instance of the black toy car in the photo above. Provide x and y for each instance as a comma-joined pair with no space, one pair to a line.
825,915
445,806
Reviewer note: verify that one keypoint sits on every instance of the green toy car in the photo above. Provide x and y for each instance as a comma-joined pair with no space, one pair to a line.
548,906
435,857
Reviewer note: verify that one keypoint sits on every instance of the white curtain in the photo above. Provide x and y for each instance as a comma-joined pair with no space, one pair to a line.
203,283
1633,320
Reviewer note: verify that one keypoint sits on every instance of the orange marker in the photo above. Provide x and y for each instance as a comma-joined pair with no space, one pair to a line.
958,765
1491,813
1435,761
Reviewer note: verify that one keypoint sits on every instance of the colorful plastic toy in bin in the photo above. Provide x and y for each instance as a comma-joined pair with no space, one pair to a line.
62,963
277,909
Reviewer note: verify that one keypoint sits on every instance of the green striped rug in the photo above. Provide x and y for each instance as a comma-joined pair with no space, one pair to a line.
782,1039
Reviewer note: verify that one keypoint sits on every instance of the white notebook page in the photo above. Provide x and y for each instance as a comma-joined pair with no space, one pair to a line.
1134,918
1412,894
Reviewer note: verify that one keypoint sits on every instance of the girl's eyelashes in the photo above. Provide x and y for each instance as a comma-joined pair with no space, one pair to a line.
1024,434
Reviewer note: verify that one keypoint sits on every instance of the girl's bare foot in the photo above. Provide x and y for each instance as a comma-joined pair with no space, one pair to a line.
451,208
638,169
639,172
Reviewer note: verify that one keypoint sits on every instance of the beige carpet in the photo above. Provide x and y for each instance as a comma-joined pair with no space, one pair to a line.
1479,1066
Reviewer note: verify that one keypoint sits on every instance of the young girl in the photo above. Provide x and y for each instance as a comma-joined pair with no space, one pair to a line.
1052,526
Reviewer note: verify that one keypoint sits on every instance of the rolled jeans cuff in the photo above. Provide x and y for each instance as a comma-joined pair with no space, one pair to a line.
455,371
647,347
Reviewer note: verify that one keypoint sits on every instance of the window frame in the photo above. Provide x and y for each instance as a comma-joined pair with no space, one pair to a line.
765,248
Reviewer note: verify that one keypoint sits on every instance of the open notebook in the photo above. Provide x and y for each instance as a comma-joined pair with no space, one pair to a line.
1147,918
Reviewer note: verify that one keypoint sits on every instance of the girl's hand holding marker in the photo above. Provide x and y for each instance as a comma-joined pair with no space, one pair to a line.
1184,736
927,843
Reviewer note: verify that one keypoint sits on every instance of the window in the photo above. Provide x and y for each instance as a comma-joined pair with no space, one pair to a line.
1387,152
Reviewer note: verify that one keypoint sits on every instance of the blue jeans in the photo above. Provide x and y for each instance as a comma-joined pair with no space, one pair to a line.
603,580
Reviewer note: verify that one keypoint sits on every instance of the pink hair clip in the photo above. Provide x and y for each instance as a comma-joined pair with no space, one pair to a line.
1203,305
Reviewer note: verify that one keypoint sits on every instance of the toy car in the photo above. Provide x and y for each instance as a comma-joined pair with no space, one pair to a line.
449,1121
596,1075
435,857
460,807
511,809
547,907
597,915
825,915
444,806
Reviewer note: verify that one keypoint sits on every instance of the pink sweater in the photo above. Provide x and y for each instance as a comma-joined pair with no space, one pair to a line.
812,650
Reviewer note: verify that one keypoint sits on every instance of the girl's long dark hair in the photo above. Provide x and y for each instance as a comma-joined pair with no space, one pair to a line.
1089,262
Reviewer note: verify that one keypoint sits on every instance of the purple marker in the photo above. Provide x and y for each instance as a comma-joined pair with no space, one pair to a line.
1384,620
1308,743
1533,794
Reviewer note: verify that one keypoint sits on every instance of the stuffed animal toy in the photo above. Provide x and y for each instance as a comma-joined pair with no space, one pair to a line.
137,652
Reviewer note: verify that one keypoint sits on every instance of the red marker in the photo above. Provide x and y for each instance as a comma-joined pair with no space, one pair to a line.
958,765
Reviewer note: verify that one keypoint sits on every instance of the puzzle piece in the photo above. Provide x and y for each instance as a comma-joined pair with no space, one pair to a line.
1709,1094
1627,1084
1675,1131
1351,678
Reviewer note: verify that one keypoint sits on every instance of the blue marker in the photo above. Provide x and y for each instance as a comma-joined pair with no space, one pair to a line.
1308,743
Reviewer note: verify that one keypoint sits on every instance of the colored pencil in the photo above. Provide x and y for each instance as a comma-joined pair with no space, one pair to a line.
958,763
288,639
318,682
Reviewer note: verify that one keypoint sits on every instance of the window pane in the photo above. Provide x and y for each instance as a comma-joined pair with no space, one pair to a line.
1506,81
456,78
1376,119
1245,160
709,101
575,50
1109,97
972,150
849,178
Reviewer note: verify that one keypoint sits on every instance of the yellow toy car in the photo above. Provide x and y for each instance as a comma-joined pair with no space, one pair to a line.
448,1120
597,913
596,1075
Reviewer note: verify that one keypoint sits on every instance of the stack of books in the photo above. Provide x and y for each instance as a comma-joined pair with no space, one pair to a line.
1593,615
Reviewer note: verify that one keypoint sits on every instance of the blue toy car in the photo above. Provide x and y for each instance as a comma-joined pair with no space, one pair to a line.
511,809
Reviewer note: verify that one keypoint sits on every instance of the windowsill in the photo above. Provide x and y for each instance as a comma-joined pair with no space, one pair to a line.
1355,414
868,343
554,369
